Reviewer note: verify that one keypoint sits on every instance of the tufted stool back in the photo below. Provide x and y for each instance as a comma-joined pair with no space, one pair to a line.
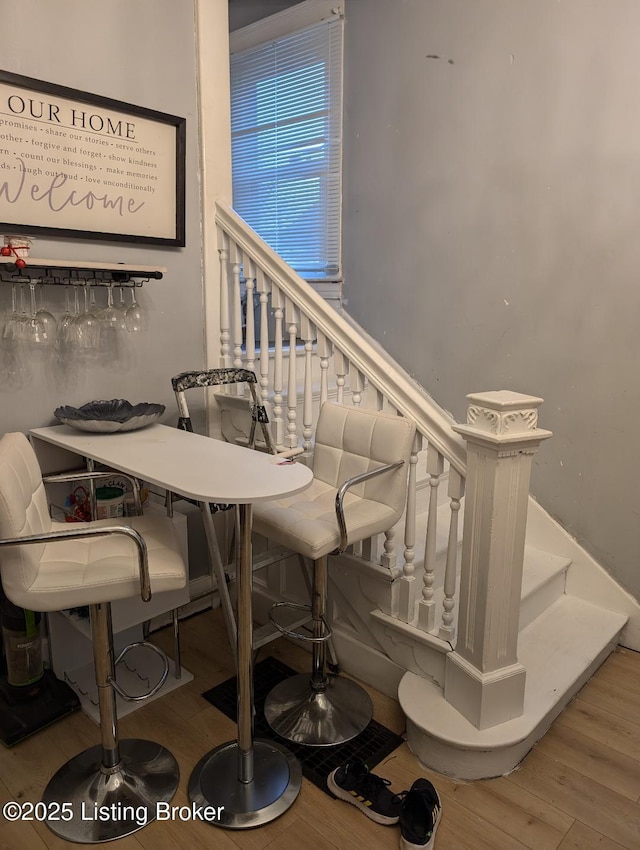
353,440
23,510
349,441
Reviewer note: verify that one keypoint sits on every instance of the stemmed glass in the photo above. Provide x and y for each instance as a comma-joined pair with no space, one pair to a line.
111,316
65,323
136,318
48,320
11,324
19,330
86,326
122,304
32,330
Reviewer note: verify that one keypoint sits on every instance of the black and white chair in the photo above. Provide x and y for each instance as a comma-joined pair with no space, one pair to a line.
360,465
52,566
245,421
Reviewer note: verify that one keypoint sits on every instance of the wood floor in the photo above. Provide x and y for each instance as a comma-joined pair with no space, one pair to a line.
578,789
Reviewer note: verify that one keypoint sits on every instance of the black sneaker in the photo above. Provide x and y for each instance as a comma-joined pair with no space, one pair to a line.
420,812
353,783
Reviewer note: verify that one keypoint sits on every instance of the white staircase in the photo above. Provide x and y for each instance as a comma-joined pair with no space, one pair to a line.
562,641
543,612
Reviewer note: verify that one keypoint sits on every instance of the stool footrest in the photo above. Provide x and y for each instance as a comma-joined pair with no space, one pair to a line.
154,690
327,631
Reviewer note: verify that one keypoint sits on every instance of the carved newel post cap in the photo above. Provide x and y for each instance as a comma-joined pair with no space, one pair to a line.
503,415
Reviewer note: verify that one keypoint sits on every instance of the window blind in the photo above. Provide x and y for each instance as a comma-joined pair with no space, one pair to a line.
286,133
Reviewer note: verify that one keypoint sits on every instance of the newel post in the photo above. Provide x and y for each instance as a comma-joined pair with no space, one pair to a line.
483,678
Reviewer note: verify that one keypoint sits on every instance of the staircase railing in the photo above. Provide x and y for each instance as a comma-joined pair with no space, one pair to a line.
304,351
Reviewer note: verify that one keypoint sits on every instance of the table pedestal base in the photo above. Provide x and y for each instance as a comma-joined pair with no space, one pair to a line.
332,716
277,777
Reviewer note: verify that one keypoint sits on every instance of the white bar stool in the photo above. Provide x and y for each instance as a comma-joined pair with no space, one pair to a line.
51,566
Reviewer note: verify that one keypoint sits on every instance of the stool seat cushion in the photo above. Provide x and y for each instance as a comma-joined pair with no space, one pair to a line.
307,524
54,575
350,441
89,570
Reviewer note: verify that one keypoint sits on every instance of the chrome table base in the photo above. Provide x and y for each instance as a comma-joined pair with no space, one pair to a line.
276,781
319,719
247,782
110,803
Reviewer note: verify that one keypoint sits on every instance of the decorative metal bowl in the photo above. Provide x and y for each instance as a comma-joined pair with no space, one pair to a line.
107,417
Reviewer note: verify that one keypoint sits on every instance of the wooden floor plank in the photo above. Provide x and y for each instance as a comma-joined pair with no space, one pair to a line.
19,834
300,834
513,810
581,797
577,790
613,697
621,669
581,837
621,734
616,770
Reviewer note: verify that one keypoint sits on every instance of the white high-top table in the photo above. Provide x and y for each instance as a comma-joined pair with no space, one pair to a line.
248,782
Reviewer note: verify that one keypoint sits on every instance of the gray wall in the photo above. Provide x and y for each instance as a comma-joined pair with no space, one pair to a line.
245,12
140,52
494,190
492,165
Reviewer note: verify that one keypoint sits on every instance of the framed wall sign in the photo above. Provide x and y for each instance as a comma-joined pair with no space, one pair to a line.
80,165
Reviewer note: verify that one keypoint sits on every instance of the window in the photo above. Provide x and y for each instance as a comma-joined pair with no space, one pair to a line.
286,132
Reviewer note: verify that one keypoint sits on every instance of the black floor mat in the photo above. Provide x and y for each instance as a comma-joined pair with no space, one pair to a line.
371,745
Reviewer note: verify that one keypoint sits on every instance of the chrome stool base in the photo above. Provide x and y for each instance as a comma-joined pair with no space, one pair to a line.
109,805
277,777
323,719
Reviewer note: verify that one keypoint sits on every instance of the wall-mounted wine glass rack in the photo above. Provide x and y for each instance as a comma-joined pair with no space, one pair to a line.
77,271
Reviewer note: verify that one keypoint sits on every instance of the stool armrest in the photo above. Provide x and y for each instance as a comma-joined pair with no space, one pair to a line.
85,475
347,485
71,533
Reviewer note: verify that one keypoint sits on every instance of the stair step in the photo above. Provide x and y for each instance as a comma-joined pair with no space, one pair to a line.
543,581
560,650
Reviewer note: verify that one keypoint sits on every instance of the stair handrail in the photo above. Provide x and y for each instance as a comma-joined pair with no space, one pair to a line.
393,382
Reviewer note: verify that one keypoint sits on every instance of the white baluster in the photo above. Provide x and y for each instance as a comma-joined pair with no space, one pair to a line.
291,317
277,304
341,366
250,322
262,286
408,585
308,334
370,549
388,557
225,322
455,492
236,262
357,384
323,347
426,606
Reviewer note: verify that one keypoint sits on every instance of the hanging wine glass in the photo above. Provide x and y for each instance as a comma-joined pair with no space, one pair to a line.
136,319
13,319
86,326
21,326
111,316
66,320
122,304
15,371
48,320
33,330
